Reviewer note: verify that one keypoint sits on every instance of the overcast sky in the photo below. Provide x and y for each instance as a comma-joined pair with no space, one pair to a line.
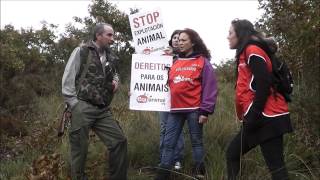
211,19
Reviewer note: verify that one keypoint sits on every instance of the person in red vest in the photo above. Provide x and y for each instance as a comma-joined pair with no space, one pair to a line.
263,111
193,89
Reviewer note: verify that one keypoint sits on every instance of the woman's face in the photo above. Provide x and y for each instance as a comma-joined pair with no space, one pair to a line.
232,37
185,44
175,41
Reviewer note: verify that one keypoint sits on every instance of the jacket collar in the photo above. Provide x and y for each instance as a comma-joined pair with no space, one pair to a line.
261,44
93,46
192,55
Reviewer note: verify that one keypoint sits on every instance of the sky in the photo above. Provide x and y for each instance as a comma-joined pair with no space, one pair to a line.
211,19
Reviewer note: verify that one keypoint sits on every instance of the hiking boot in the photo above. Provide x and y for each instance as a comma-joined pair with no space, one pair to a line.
199,171
177,166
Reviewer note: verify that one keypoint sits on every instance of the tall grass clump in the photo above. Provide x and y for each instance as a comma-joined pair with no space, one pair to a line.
40,139
141,129
218,131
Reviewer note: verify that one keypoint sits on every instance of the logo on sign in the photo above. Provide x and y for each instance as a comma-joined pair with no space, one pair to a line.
142,99
147,51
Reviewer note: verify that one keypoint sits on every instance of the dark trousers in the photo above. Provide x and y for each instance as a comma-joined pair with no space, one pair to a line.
272,151
178,150
85,117
174,128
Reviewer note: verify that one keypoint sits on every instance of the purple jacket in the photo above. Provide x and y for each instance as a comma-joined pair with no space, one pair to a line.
209,89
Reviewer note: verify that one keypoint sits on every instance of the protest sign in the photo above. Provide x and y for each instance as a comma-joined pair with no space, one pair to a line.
148,32
149,89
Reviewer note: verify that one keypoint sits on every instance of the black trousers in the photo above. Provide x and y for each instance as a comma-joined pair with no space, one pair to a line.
272,151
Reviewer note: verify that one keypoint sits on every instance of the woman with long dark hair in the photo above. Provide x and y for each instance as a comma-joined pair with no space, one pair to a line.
193,89
263,111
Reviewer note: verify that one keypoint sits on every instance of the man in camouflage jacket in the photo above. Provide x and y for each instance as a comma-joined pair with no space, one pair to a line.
88,84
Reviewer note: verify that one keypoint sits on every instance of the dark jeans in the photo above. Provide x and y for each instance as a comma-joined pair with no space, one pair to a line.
178,150
174,128
272,151
85,117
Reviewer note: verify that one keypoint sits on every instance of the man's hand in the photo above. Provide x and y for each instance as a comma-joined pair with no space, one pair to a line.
115,85
203,119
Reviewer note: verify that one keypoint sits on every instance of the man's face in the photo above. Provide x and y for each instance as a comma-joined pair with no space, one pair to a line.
106,38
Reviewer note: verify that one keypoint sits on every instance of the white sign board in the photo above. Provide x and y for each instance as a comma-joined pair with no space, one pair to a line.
148,32
148,87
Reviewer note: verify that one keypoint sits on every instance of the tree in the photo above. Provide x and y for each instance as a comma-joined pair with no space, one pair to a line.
104,11
32,61
295,24
226,71
27,58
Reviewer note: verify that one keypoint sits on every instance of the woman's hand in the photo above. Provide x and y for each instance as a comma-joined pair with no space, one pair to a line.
203,119
168,51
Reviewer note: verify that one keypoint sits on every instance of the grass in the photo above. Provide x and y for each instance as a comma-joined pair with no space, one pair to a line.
142,131
15,168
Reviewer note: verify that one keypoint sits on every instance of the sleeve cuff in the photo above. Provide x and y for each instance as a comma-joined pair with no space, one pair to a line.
204,113
71,101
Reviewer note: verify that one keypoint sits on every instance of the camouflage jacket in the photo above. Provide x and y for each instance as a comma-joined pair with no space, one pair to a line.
89,79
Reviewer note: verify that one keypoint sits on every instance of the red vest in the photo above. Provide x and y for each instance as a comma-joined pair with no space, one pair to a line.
275,105
185,84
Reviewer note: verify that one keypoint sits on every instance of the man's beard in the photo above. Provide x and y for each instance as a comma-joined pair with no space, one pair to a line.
104,48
